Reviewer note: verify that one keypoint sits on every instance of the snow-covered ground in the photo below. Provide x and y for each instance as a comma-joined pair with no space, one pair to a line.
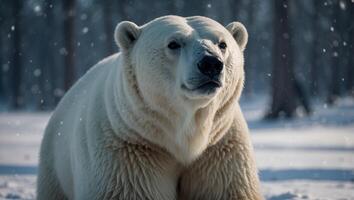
306,158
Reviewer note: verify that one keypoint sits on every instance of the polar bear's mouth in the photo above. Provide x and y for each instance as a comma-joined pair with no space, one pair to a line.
206,87
209,85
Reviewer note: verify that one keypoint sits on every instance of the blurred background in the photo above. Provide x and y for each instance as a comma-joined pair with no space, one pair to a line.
298,98
298,52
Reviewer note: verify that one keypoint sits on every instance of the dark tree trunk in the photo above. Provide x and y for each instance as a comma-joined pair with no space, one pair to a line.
69,42
48,65
16,76
108,25
283,89
315,48
334,87
350,65
195,7
121,9
236,8
173,7
250,64
2,95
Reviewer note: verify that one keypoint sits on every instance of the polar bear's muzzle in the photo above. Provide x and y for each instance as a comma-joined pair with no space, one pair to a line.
208,77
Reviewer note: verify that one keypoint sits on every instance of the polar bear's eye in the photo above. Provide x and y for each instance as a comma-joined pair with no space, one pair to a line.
173,45
222,45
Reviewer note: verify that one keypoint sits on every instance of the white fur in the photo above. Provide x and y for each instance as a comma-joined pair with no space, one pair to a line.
127,130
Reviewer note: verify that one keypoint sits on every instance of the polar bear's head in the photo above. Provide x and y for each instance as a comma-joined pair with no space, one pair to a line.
183,61
185,75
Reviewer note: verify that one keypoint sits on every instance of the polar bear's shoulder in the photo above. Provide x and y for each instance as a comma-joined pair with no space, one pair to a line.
88,85
102,65
98,71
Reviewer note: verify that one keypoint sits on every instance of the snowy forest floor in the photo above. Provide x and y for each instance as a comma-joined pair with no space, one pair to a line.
305,158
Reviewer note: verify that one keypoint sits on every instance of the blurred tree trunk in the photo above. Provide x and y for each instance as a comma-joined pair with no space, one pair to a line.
2,95
121,10
69,42
16,76
283,88
315,47
334,87
350,65
48,64
173,7
195,7
235,6
108,25
250,62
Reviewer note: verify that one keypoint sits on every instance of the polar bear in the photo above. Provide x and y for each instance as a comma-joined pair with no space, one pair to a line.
160,120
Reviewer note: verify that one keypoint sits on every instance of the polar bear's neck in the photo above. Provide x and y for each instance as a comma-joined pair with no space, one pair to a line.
185,135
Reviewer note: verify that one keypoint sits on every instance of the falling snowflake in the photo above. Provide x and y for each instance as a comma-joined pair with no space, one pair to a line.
85,30
37,8
59,92
63,51
342,5
12,28
5,67
37,72
209,5
332,28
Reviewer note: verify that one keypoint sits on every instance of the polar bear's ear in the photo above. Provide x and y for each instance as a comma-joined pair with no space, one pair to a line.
239,32
126,34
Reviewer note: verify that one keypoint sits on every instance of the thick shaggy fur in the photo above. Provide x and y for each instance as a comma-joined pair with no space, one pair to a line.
127,131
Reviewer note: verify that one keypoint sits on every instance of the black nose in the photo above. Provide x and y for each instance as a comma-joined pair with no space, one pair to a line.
210,66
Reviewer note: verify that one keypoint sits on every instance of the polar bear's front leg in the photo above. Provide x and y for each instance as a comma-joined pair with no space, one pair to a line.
137,171
225,170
